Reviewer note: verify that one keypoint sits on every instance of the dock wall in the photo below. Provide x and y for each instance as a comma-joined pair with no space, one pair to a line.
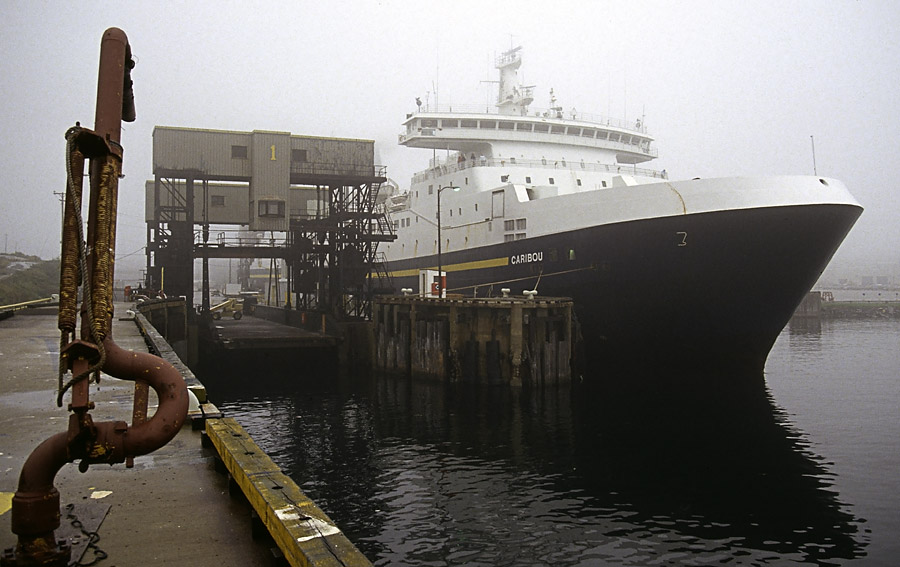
491,340
304,534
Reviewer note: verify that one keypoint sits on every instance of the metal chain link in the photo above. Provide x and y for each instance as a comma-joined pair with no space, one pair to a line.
93,538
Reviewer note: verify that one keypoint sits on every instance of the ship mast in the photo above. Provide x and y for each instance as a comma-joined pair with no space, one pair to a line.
512,98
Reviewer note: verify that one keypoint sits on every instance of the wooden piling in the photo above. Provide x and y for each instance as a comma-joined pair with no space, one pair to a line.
489,340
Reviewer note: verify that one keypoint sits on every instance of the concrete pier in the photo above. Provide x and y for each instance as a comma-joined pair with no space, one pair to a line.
172,508
493,340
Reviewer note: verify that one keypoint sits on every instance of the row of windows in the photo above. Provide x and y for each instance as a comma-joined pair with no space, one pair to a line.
550,180
514,224
241,152
538,127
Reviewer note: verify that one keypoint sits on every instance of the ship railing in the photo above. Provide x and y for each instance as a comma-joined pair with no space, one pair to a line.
556,113
451,166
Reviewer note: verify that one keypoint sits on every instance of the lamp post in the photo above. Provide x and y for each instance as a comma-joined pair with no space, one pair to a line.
440,267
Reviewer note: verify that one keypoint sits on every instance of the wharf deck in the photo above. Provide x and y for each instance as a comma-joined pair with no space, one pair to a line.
172,508
258,333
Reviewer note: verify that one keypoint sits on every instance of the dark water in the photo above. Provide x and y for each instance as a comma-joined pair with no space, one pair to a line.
799,467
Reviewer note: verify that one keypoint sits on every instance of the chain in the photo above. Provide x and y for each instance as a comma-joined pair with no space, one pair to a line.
93,538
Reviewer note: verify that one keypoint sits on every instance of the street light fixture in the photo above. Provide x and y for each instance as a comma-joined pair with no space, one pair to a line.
440,267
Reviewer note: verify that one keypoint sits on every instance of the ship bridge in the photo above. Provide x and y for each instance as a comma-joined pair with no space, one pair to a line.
472,130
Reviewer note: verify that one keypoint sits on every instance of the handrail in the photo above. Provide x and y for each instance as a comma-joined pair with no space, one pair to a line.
572,115
453,167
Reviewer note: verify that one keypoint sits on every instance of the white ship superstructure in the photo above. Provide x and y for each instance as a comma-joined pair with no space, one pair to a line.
554,199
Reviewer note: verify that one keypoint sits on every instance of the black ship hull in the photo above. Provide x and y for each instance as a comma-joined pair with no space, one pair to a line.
682,292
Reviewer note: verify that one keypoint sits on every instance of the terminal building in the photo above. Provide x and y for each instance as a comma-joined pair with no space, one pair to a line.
309,201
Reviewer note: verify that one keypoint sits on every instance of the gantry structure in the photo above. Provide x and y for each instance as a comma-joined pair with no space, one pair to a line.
309,201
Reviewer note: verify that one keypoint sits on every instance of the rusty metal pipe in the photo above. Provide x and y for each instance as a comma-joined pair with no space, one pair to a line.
35,506
170,389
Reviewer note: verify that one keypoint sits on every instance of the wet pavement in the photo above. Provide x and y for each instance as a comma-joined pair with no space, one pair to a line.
171,508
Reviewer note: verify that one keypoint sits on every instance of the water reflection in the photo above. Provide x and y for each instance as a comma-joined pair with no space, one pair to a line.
418,473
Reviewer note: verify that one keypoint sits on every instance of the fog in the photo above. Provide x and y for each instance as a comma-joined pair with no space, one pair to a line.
726,88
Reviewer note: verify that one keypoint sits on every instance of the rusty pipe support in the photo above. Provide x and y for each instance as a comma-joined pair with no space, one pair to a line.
35,506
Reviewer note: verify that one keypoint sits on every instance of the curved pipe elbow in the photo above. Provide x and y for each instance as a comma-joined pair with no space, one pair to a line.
170,389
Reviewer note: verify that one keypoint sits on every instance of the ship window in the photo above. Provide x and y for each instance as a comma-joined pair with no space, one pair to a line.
578,181
564,163
476,207
459,211
520,224
604,183
552,182
217,200
298,156
431,189
542,128
239,152
509,237
509,225
504,178
520,236
429,123
489,124
588,133
524,126
614,138
451,212
573,131
469,123
571,253
527,179
449,123
396,225
552,253
504,125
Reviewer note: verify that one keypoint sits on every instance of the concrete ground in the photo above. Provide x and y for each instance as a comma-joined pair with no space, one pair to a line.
172,508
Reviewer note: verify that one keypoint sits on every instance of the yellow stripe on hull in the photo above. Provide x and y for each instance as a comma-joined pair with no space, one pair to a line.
476,265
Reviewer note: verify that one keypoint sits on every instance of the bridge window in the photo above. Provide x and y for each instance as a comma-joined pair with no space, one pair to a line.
588,133
504,125
429,123
542,128
489,124
271,208
239,152
469,123
298,156
449,123
524,126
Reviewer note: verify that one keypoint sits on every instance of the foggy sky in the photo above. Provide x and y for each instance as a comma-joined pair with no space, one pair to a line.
726,88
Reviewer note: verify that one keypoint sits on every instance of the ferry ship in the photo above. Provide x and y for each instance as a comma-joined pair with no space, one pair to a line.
689,273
